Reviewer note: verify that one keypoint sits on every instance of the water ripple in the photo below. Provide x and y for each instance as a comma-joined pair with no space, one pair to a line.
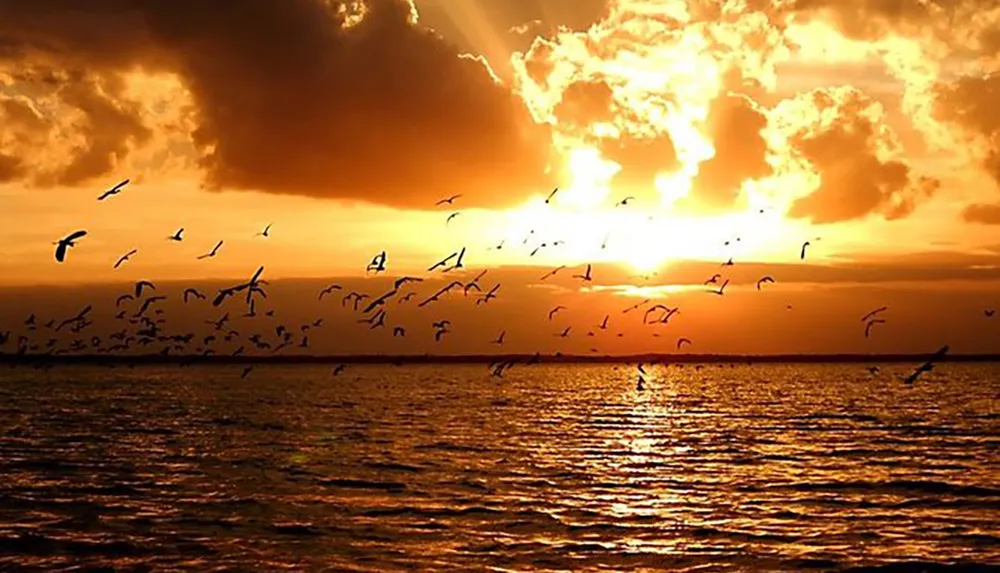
554,468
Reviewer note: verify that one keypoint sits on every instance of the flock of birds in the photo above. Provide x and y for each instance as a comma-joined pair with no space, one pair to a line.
145,324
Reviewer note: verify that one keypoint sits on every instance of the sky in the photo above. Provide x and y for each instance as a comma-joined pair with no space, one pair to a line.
680,135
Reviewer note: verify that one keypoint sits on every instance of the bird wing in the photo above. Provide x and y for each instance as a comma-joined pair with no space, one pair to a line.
61,251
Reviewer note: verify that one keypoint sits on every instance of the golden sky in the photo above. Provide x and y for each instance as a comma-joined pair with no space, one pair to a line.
868,127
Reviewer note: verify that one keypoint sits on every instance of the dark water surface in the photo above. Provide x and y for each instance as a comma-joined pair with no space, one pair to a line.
552,468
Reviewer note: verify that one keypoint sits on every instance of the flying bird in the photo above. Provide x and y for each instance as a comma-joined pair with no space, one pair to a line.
551,195
764,280
714,280
329,290
378,263
266,232
624,201
927,366
802,254
449,200
499,339
213,252
403,280
443,262
492,294
452,216
178,236
873,313
125,257
635,306
63,244
553,272
871,323
458,262
188,293
989,313
722,288
114,190
585,276
139,286
555,310
682,341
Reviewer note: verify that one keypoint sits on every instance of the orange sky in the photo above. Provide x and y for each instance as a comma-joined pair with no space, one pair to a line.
863,126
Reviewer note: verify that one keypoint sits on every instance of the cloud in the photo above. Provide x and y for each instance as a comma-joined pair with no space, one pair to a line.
584,103
325,98
963,25
734,124
970,104
985,213
842,137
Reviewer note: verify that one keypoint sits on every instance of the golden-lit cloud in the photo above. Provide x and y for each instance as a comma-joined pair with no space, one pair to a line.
842,137
322,98
678,101
971,103
735,124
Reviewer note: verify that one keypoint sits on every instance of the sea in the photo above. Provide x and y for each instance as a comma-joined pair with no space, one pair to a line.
709,467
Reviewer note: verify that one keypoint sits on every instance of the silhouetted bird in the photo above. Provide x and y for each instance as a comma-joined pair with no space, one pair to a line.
178,236
125,257
378,263
449,200
458,262
63,244
139,286
585,276
548,199
802,254
212,253
553,272
114,190
873,313
265,232
192,292
442,262
329,290
927,366
871,323
764,280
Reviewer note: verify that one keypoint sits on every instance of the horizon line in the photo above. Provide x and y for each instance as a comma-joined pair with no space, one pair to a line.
397,359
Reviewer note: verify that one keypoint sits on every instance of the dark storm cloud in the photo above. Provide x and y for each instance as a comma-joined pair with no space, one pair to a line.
854,180
288,100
